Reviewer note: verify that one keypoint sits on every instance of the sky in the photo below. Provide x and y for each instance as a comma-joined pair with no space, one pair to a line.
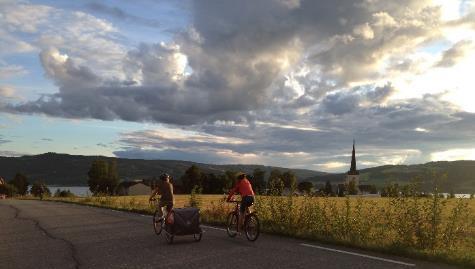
276,82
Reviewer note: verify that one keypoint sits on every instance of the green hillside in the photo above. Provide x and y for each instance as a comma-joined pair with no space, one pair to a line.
460,175
71,170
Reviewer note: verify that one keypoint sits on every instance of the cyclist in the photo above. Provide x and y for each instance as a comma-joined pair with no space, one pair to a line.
165,188
244,187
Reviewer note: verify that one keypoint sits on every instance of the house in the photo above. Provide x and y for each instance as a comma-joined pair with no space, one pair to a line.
2,182
289,191
367,189
135,187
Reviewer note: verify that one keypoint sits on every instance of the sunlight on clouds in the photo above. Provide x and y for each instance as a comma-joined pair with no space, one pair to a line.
295,127
455,81
422,130
450,9
454,155
169,134
332,165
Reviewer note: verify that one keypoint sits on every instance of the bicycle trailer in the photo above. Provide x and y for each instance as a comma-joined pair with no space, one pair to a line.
183,221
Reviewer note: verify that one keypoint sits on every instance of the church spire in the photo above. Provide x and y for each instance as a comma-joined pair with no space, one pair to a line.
353,170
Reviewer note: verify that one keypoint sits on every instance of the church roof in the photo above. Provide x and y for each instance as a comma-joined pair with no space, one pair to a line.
353,170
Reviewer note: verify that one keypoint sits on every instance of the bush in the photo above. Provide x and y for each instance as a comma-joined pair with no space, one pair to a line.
195,200
39,189
63,193
8,189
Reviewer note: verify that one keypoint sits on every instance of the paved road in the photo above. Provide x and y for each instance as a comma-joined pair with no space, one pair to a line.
36,234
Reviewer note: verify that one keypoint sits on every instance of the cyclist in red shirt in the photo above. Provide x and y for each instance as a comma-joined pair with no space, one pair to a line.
244,187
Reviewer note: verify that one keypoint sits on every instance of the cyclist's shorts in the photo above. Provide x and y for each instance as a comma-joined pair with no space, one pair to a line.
168,204
246,202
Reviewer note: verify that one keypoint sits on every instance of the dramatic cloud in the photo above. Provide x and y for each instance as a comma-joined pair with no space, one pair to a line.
234,59
407,131
270,81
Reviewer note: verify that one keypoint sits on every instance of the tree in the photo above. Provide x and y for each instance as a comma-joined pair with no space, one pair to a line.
341,190
20,182
451,194
192,177
290,180
214,184
352,188
391,190
231,176
328,188
305,186
259,182
112,176
8,189
39,189
63,193
275,183
103,177
373,189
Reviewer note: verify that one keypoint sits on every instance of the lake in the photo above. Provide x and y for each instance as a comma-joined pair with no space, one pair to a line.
77,190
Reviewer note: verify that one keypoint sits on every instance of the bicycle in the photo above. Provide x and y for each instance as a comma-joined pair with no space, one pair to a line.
158,222
251,223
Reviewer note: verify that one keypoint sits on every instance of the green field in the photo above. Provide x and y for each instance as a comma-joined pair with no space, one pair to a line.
436,229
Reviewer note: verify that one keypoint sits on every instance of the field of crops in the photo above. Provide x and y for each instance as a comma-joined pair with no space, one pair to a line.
431,228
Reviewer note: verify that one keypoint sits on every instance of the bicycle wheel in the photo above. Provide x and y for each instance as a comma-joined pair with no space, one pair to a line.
169,237
252,227
157,223
232,224
198,236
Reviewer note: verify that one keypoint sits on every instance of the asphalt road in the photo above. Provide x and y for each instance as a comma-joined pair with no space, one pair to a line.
37,235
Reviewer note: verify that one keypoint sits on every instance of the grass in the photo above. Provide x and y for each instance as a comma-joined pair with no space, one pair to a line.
441,230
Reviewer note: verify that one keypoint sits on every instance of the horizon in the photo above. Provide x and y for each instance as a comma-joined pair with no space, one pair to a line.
223,164
285,83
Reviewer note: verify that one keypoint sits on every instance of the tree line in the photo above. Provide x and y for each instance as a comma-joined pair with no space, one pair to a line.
19,185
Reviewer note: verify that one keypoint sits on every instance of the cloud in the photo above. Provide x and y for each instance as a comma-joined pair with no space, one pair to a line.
17,16
7,91
3,140
454,155
121,14
8,153
235,60
8,71
451,56
403,131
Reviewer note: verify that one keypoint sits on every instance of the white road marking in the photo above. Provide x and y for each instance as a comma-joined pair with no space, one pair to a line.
358,254
211,227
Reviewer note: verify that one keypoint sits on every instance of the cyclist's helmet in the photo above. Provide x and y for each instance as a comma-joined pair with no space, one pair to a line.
164,176
241,176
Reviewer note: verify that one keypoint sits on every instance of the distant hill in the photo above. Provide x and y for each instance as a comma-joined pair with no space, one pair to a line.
460,175
71,170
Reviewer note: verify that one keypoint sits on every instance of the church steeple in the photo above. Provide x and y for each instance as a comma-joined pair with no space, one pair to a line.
353,170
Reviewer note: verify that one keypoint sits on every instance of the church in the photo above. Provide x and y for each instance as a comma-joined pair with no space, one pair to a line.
353,174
